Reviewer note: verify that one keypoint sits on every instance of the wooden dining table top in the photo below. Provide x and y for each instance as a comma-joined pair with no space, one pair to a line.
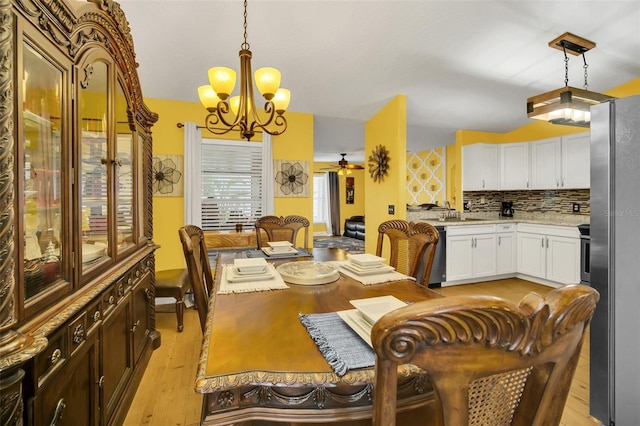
257,337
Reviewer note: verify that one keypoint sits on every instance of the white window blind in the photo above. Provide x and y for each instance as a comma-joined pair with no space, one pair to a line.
232,186
319,198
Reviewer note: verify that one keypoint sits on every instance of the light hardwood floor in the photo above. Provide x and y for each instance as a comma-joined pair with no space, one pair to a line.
166,394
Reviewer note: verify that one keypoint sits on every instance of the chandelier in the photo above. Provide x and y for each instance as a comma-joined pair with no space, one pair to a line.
240,112
568,105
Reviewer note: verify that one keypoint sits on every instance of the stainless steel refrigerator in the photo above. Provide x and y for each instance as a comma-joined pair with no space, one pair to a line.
615,261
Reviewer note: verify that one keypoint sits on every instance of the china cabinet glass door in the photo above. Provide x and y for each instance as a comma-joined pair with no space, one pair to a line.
124,174
42,164
94,165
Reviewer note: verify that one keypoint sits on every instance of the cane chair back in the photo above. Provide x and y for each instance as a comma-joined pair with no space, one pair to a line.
412,247
491,362
200,275
281,229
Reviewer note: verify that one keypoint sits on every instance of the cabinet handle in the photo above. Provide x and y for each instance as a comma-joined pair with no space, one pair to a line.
542,241
147,293
78,334
527,184
499,239
55,356
547,242
120,290
133,329
96,316
112,300
117,161
482,183
57,415
101,382
557,183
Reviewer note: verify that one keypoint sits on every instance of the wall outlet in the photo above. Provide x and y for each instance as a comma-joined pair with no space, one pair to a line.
576,208
391,209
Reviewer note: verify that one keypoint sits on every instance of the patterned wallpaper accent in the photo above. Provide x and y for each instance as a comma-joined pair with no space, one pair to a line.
554,201
426,177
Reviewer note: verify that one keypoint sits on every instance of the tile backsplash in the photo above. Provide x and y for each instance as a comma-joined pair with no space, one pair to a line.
547,201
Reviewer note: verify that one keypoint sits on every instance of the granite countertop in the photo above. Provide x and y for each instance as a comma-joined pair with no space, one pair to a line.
494,218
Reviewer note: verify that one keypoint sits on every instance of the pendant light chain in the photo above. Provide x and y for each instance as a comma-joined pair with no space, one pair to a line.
566,66
585,66
245,45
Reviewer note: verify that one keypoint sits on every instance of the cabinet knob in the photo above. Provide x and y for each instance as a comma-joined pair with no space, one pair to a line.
55,356
135,326
112,300
117,161
57,415
96,316
101,382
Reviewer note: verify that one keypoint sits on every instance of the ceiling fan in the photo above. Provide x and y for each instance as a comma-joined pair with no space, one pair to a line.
343,166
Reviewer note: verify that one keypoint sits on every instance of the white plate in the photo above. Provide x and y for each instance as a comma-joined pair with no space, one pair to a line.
271,252
358,324
250,265
92,251
373,308
279,245
382,269
365,259
308,272
234,277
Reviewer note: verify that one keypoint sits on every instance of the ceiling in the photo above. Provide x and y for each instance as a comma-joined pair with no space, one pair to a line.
461,64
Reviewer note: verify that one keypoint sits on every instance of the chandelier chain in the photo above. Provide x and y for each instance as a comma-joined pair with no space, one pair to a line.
245,45
566,66
585,66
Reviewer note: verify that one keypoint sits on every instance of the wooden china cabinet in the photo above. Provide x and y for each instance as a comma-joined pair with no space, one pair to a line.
77,313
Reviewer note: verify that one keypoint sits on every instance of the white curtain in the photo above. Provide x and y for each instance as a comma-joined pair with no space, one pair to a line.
192,168
268,193
327,204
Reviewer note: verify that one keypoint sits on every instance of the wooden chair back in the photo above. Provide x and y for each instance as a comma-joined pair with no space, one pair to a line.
491,362
200,275
281,229
413,247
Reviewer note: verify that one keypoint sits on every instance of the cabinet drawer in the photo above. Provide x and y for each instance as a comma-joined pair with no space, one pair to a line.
471,230
506,227
558,231
53,357
77,332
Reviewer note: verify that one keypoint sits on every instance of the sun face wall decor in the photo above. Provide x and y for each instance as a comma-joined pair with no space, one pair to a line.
379,163
291,178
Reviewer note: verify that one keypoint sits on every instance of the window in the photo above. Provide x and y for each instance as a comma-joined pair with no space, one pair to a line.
232,184
320,198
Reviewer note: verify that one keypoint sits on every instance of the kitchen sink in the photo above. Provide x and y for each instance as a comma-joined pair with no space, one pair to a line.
460,219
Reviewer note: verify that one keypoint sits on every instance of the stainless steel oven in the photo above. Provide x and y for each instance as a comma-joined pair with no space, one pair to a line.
585,258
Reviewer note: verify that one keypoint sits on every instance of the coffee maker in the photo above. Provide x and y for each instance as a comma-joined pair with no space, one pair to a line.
507,209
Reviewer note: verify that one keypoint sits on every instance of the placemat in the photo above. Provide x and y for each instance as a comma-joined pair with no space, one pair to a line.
275,283
384,277
343,349
259,253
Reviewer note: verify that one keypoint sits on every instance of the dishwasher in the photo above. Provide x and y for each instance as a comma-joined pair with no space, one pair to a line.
439,268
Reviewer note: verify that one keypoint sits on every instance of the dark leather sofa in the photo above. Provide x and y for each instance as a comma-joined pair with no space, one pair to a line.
354,227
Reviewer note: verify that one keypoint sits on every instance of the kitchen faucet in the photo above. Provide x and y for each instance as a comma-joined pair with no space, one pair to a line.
447,212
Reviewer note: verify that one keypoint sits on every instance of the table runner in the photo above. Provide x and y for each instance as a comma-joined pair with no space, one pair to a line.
343,349
381,278
259,253
275,283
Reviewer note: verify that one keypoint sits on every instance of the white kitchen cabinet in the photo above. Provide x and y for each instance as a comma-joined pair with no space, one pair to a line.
471,252
506,249
480,167
576,161
514,166
546,163
549,252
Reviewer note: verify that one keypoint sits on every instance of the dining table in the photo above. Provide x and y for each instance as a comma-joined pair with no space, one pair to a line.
259,362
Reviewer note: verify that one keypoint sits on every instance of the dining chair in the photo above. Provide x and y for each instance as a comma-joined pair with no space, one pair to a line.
491,362
196,256
281,229
413,247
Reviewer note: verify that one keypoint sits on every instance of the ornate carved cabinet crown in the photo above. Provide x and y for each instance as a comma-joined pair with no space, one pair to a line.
77,313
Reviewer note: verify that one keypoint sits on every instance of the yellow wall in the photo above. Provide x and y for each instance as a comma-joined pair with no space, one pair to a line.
168,212
346,210
389,129
533,131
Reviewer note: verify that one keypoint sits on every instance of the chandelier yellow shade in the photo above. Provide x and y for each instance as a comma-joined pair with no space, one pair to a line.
234,104
208,97
281,100
222,81
267,81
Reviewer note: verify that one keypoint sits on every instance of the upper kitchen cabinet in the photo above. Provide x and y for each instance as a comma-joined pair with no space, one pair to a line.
561,162
480,166
514,166
77,258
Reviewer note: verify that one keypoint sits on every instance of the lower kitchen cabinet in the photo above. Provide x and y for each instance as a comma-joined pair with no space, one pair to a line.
471,252
506,243
549,252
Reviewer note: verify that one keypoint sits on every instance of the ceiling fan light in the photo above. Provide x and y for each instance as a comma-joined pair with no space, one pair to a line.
267,81
208,97
281,100
222,80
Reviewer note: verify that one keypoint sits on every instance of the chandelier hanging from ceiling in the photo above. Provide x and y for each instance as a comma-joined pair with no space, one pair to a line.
239,113
568,105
